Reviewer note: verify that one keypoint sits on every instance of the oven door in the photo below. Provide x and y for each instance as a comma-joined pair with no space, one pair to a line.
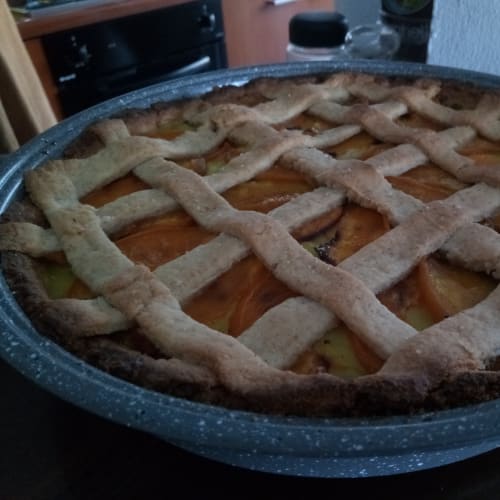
189,62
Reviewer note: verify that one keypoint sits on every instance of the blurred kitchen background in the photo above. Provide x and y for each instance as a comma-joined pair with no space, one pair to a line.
463,33
80,52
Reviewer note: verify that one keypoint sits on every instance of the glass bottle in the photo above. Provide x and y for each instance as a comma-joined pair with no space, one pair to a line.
316,35
371,41
412,20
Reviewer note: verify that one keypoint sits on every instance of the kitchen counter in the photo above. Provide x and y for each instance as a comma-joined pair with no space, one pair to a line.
51,450
85,15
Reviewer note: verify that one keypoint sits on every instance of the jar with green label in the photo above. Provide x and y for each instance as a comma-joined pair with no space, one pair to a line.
412,20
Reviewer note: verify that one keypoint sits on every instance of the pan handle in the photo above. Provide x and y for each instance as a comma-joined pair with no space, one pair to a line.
199,65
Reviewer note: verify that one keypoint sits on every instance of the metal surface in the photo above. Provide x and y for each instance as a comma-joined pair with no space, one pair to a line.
295,446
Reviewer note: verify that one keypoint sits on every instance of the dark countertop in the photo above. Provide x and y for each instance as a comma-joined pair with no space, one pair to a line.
51,450
84,14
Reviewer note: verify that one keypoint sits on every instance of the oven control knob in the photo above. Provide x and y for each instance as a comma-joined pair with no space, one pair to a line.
77,54
84,53
206,21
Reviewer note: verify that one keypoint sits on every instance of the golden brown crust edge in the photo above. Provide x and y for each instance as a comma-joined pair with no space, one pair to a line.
321,395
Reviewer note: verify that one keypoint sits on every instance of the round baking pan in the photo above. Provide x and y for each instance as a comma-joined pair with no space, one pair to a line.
333,447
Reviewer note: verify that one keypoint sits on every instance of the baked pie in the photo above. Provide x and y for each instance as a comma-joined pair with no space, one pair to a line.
317,245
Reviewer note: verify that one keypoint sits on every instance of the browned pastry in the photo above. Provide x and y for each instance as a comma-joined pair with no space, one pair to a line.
351,204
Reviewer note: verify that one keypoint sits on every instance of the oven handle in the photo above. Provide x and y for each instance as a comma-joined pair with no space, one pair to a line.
194,67
106,86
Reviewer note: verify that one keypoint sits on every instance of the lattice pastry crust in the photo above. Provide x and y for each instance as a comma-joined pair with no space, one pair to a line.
445,364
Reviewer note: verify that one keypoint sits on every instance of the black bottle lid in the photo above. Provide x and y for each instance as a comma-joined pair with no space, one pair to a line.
317,29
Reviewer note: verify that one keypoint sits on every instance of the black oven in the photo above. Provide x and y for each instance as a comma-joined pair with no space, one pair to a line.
106,59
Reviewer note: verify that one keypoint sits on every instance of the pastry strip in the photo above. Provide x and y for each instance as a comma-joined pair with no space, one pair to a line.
289,262
466,341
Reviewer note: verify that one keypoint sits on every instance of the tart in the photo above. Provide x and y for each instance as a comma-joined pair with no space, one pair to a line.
322,245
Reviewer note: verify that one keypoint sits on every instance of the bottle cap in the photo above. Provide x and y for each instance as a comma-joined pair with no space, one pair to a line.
317,29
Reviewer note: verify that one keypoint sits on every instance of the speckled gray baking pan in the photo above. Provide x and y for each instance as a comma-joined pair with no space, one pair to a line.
294,446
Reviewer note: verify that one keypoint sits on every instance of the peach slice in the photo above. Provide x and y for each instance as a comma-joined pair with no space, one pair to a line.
263,292
160,244
253,196
121,187
427,183
268,190
171,130
357,227
318,225
152,247
479,145
354,148
235,289
278,173
447,290
423,192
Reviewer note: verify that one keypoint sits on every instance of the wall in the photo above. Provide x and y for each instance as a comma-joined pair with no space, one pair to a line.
359,11
466,34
